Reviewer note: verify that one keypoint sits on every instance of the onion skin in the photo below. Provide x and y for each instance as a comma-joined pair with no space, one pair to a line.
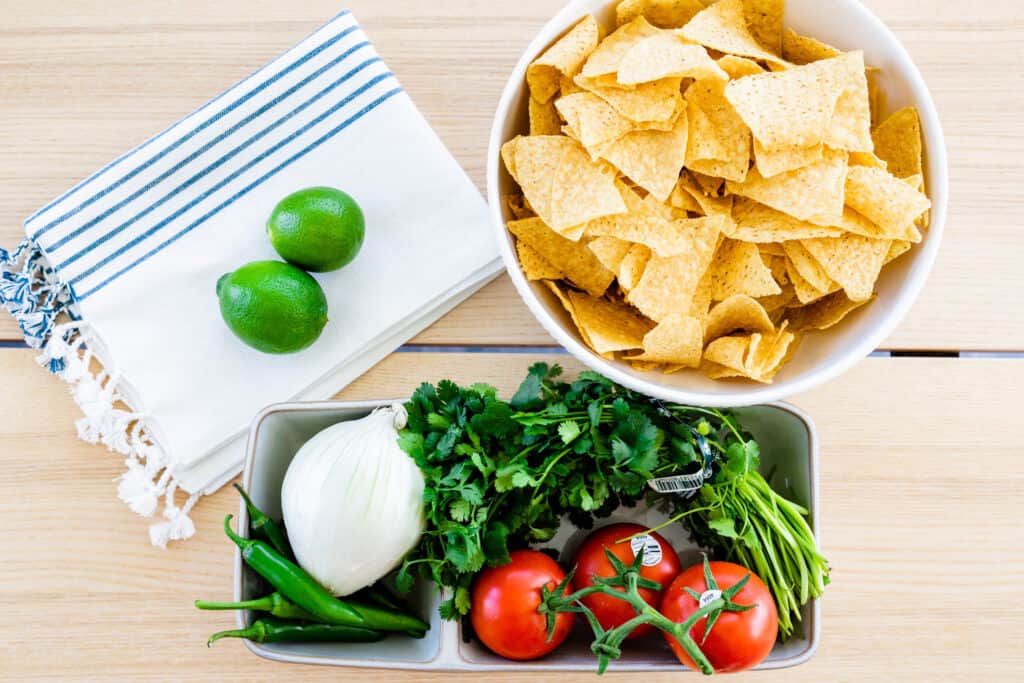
353,502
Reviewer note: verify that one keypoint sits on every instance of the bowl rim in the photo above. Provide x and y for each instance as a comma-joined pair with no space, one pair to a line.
739,395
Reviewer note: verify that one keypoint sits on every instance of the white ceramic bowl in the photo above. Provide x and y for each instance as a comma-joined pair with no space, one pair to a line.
846,24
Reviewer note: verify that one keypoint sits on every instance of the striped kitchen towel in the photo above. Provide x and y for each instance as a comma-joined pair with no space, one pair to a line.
115,282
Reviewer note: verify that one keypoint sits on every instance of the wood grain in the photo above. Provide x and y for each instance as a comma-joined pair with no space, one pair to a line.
920,519
84,81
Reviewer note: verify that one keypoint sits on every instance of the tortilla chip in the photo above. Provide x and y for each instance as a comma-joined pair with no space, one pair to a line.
884,199
518,206
801,50
859,225
564,58
730,352
610,251
738,67
794,108
898,143
701,304
651,204
633,265
736,313
664,238
867,159
723,27
592,120
876,97
771,353
719,142
776,264
660,13
807,266
898,248
850,128
709,206
563,185
814,193
609,326
567,86
682,200
561,293
753,222
605,59
717,372
535,266
823,314
805,292
575,260
677,340
764,19
773,162
646,103
642,365
777,302
544,119
852,261
710,185
768,248
666,55
669,284
652,159
739,269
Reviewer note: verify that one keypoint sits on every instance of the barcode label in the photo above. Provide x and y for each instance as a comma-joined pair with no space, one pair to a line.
680,483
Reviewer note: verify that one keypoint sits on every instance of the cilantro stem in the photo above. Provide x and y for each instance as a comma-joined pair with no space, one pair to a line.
682,515
547,471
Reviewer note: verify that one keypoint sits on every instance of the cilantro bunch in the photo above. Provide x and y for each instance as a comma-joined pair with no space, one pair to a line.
502,475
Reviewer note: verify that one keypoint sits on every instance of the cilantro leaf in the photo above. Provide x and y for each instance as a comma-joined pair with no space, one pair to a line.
568,431
529,394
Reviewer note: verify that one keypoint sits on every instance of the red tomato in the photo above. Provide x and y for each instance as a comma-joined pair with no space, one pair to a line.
661,564
738,640
504,606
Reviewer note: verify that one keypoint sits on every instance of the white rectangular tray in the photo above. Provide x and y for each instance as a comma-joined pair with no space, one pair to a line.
788,443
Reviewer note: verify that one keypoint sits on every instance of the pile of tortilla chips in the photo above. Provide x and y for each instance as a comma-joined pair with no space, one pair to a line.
701,186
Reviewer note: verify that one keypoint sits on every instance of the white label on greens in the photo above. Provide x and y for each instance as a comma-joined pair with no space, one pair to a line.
679,483
709,597
652,549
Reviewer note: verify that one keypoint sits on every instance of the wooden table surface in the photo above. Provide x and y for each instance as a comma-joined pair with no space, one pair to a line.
921,468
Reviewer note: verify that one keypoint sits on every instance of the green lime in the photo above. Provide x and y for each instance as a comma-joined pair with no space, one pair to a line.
317,229
272,306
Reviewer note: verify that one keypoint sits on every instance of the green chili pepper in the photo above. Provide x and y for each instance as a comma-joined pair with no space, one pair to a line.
277,631
264,527
374,595
274,604
293,582
390,620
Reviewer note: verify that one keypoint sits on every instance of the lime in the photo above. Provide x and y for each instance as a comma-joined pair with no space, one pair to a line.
272,306
318,229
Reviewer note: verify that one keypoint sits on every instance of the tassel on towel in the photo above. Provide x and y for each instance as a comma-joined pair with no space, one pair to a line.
37,300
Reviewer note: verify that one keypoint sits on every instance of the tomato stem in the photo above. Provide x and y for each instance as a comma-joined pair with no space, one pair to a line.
626,586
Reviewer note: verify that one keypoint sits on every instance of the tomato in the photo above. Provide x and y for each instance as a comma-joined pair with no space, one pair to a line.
504,605
661,564
738,640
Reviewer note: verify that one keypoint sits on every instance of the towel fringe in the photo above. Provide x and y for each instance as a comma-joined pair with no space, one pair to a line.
31,292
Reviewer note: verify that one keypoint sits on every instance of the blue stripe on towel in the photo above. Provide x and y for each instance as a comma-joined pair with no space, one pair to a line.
220,185
195,155
234,105
206,171
248,188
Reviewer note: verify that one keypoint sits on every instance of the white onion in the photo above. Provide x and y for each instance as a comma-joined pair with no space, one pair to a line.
353,502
